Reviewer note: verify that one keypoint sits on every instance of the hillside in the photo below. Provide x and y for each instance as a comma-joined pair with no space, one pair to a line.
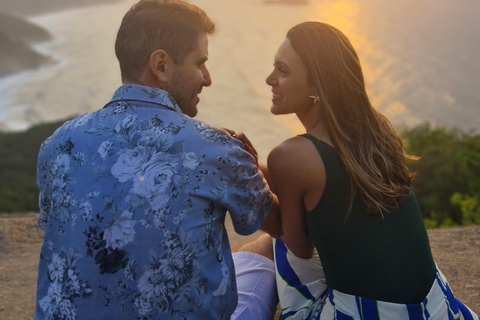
35,7
18,163
16,38
17,34
17,28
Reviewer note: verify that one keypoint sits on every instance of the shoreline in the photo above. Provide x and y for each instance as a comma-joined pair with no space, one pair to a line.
18,116
37,15
48,6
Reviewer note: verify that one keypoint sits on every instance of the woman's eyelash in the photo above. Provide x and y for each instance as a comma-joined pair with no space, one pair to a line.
281,69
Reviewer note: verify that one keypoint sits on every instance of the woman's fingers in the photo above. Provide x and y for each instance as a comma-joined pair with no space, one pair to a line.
229,131
246,143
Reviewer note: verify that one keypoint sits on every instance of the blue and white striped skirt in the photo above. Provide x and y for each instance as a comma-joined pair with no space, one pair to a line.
303,294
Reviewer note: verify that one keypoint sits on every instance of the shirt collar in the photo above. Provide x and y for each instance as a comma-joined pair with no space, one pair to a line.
145,93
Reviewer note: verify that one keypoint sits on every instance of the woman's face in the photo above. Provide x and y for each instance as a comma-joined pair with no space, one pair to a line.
289,81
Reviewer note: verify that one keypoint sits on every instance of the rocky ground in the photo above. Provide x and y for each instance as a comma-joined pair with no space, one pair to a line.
456,250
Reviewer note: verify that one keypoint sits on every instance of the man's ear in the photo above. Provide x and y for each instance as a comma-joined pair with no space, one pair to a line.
161,65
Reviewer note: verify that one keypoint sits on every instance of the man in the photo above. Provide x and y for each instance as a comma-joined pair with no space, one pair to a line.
133,196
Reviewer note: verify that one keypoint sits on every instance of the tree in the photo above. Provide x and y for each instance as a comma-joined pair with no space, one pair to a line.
447,173
18,165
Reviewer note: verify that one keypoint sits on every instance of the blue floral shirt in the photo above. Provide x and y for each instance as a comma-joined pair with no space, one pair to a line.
133,200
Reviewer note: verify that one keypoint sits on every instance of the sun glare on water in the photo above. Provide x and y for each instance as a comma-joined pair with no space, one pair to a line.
348,16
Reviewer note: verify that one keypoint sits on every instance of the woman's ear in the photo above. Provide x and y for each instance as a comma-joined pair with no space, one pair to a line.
160,66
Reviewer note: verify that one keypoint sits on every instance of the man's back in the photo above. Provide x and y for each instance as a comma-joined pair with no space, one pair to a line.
133,200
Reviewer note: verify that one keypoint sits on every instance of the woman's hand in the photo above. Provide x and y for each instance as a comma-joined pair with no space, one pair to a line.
246,143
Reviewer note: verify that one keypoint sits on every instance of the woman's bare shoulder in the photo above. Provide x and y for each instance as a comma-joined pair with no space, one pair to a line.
294,144
295,153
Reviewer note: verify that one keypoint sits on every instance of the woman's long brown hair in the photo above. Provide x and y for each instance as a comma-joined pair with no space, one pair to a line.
365,140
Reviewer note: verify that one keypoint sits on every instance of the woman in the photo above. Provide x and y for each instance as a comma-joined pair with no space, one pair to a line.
344,191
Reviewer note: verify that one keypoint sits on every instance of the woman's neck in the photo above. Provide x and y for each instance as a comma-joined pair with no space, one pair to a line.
309,119
315,126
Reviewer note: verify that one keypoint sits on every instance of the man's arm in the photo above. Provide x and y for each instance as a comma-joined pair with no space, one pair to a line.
272,223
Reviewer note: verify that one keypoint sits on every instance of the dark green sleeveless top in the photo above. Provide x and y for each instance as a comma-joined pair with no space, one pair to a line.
385,259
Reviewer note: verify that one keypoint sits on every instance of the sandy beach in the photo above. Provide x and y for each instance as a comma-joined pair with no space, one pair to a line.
456,250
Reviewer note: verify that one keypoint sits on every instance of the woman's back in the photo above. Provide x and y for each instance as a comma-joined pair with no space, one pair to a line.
383,258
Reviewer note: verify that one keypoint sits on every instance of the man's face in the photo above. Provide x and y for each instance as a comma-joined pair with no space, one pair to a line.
189,78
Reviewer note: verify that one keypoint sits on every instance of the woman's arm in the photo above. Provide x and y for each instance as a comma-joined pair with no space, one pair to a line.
294,175
273,223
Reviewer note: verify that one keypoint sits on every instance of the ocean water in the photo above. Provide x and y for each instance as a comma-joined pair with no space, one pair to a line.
419,59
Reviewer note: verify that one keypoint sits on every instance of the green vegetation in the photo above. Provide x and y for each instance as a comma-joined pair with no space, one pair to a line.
447,180
447,175
18,165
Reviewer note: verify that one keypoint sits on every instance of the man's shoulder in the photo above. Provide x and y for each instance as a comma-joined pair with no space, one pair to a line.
210,133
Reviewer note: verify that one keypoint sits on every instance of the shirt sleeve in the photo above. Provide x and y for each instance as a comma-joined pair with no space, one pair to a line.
248,198
43,186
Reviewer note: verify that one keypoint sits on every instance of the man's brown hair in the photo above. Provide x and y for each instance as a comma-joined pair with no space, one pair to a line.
171,25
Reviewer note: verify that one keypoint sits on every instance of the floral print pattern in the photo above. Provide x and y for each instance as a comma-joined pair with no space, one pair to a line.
133,199
65,285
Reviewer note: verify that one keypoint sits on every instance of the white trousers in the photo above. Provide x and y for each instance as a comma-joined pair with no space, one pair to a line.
257,291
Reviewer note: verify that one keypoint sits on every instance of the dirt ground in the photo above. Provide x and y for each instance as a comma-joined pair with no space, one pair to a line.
456,250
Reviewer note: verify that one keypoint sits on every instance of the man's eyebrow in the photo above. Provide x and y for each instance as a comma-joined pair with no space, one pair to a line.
202,60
